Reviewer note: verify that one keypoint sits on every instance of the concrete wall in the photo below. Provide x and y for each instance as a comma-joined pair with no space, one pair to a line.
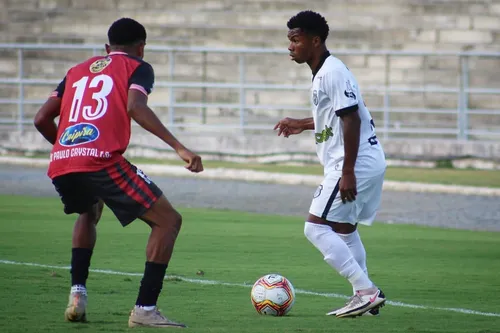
355,24
266,146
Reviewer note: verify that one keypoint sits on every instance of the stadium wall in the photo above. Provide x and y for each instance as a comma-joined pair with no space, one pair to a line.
241,147
424,25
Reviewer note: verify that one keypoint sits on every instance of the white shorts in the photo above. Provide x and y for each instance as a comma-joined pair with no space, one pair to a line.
328,205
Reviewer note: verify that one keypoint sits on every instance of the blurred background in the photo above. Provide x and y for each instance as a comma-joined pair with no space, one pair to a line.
428,70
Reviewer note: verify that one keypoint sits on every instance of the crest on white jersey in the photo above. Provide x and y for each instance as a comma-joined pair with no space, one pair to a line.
315,97
349,91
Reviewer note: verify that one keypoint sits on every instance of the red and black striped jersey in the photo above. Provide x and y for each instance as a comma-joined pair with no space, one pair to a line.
94,125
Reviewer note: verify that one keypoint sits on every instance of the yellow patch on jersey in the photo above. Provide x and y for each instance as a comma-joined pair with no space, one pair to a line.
99,65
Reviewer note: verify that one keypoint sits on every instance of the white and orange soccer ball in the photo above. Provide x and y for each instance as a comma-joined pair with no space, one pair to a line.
273,295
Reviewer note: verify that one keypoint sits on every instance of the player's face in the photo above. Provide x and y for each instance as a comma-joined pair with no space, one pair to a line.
300,47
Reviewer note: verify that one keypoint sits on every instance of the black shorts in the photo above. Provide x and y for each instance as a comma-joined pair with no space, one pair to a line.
126,190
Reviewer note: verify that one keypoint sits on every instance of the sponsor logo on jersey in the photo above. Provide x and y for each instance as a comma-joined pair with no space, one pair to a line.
99,65
349,91
324,135
315,97
79,134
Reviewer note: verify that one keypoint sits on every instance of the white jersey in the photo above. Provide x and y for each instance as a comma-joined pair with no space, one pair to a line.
334,91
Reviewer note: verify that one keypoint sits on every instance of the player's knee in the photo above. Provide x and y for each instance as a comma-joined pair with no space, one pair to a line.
308,231
318,235
314,231
172,222
92,215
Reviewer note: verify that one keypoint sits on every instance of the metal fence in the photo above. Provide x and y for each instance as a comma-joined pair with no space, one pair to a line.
386,127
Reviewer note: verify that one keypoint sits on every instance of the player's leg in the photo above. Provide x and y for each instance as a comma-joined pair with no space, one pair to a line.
77,198
350,235
130,194
372,196
369,203
165,223
327,207
335,252
83,243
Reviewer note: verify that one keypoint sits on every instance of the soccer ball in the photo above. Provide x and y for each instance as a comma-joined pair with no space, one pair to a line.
273,295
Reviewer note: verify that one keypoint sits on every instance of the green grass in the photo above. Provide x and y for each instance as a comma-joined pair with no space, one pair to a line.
426,266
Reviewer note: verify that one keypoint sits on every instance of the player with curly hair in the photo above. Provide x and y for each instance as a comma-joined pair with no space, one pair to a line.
353,159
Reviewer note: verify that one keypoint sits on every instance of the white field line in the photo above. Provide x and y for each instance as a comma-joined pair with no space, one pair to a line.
220,283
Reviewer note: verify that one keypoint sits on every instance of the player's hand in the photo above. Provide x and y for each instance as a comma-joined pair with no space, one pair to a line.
288,126
193,161
347,187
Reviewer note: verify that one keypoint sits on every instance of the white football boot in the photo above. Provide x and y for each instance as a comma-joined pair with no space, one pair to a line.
372,310
77,307
140,317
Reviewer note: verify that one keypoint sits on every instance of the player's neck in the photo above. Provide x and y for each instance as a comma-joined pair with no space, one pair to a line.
318,59
123,50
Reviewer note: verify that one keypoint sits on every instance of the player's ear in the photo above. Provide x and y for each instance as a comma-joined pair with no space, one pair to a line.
108,48
316,41
141,49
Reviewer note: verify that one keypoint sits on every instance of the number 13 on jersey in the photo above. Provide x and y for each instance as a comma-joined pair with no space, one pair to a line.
100,96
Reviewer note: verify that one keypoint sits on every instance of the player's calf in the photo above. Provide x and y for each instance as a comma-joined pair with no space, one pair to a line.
165,223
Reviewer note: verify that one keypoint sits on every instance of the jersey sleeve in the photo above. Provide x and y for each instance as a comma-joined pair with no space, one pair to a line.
143,78
340,88
59,90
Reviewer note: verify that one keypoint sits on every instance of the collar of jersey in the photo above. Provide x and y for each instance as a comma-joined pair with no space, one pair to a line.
116,52
321,62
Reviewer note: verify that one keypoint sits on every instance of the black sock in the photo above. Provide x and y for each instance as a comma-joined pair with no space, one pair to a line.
80,263
151,284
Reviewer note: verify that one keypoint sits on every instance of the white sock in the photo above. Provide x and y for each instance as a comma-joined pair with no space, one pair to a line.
78,288
354,243
337,254
146,308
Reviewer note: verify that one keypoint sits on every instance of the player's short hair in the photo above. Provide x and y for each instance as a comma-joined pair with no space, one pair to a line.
311,23
126,31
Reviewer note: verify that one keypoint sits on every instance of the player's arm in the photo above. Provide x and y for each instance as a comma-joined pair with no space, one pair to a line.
140,87
351,129
45,117
290,126
306,123
344,98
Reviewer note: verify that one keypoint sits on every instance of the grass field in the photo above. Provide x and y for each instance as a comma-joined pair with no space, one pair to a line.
434,268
